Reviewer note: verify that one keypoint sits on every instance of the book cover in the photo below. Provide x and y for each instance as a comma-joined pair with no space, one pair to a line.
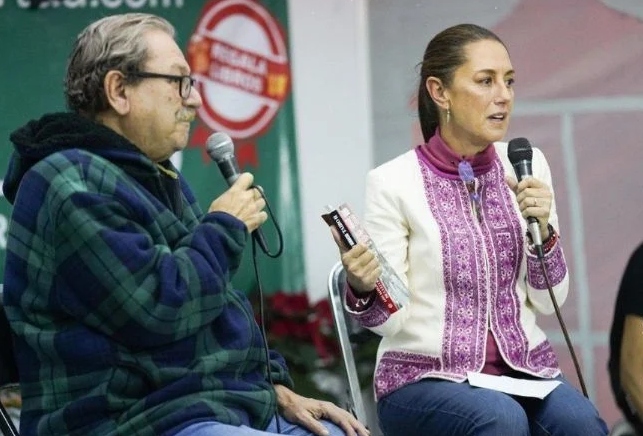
389,287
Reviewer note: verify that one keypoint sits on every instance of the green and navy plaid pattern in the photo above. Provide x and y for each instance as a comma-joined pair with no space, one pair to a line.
117,288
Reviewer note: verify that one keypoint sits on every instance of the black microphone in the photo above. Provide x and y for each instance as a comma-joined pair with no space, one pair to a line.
520,154
221,150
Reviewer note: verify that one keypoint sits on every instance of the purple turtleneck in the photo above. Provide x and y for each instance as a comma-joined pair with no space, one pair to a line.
443,161
441,158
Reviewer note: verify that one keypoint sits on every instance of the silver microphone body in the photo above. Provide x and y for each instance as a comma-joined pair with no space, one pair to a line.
220,148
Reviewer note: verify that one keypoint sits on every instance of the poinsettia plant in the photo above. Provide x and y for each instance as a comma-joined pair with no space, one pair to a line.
305,335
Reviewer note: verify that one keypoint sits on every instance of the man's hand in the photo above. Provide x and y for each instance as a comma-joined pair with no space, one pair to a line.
242,202
307,412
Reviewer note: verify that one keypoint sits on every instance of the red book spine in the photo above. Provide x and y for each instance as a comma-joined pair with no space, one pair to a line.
385,298
350,241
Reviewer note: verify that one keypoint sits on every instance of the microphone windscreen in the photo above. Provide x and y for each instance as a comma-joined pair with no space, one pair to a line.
519,149
219,146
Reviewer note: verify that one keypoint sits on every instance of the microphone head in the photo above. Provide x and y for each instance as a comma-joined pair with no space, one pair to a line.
219,146
519,150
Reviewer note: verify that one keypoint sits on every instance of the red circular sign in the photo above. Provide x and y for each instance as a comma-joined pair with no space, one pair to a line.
239,58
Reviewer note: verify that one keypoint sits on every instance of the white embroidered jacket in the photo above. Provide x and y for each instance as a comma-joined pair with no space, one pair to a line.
465,275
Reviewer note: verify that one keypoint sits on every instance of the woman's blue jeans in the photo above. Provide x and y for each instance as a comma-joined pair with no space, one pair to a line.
445,408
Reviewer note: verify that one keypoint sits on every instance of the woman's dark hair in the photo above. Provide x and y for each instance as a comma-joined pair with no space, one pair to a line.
443,55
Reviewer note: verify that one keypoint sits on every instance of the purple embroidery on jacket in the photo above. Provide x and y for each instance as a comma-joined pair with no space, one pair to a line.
506,241
354,303
464,273
374,316
554,264
396,369
542,359
371,313
481,264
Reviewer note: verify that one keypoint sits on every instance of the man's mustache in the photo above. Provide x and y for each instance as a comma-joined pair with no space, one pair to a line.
186,116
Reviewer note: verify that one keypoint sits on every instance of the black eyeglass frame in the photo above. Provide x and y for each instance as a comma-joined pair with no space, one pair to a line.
183,81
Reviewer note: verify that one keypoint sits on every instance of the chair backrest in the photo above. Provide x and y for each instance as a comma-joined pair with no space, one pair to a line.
8,368
622,428
336,280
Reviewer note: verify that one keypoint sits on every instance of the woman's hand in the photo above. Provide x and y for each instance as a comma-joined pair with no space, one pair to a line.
361,266
534,199
307,412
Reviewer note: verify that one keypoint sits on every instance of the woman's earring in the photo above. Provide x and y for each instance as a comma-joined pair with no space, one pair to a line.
448,115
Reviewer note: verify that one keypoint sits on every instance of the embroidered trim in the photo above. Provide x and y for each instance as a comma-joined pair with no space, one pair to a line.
554,264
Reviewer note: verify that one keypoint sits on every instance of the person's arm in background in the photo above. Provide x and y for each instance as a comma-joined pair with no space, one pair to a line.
630,298
631,372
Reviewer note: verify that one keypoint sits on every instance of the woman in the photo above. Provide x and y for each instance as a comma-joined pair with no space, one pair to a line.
462,248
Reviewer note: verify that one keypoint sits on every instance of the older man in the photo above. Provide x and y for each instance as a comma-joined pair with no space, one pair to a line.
117,285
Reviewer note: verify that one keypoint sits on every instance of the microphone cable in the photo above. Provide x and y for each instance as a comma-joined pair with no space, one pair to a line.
520,153
581,380
259,240
262,325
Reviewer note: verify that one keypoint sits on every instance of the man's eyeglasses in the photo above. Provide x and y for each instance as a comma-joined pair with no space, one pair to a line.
185,82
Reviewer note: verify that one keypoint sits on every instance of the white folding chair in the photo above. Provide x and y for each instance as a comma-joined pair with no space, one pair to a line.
336,280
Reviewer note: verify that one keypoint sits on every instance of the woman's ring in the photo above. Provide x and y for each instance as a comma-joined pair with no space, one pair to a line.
535,202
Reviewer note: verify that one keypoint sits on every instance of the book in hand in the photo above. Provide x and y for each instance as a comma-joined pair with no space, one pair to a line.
389,287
